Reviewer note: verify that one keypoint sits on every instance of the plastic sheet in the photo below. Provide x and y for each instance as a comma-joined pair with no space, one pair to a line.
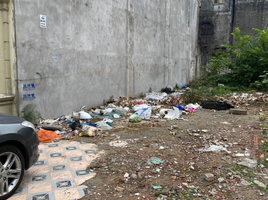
155,161
47,136
216,149
155,96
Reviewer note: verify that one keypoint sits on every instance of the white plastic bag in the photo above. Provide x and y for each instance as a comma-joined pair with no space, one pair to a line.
143,111
84,115
173,114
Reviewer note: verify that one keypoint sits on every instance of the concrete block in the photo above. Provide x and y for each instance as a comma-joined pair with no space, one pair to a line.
209,177
238,111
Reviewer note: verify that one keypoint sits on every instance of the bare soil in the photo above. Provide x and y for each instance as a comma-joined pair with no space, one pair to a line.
123,172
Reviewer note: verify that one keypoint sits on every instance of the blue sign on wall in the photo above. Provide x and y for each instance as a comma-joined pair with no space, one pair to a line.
28,96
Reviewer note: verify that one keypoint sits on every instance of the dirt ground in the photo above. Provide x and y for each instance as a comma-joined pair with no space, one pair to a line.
124,173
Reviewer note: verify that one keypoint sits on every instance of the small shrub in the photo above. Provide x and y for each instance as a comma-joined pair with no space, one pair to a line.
30,114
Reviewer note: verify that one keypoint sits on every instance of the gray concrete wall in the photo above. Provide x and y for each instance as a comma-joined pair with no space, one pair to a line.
93,49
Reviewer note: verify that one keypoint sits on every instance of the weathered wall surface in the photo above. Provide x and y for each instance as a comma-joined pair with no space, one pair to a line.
93,49
251,14
224,18
215,25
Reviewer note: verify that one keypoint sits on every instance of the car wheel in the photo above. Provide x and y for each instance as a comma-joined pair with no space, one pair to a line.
11,170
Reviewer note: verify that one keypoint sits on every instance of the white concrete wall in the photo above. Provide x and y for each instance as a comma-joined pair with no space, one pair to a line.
93,49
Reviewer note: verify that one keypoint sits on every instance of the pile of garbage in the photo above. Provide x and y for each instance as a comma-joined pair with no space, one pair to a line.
91,122
244,99
165,105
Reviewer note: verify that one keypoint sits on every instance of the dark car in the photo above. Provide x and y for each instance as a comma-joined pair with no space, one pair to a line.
18,152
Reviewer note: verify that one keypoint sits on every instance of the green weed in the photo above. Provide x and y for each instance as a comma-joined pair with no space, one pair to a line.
30,114
262,118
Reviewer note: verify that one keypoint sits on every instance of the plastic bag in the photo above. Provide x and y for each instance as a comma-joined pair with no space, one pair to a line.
84,115
173,114
191,110
143,111
103,125
47,136
179,107
91,131
134,118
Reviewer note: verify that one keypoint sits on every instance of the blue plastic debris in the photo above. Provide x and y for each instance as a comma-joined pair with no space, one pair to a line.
157,187
179,107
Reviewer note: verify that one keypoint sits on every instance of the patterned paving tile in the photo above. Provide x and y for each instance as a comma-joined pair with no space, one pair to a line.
41,196
59,172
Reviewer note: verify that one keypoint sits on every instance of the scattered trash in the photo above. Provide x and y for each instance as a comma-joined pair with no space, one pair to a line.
84,115
238,111
46,136
119,189
134,118
244,182
90,132
116,116
155,96
251,163
143,111
103,125
51,127
118,143
191,110
172,114
195,106
155,161
157,187
216,149
260,184
75,124
216,105
134,176
169,89
179,107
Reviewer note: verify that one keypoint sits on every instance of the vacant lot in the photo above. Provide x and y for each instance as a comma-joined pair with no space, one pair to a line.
124,172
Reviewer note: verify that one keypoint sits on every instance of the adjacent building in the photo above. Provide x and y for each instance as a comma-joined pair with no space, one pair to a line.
219,18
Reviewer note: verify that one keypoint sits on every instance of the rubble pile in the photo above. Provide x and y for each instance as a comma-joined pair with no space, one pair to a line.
244,99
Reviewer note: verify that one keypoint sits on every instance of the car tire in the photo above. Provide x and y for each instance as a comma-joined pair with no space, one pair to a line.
12,166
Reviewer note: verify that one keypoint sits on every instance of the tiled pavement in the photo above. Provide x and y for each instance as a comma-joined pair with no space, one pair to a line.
59,172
